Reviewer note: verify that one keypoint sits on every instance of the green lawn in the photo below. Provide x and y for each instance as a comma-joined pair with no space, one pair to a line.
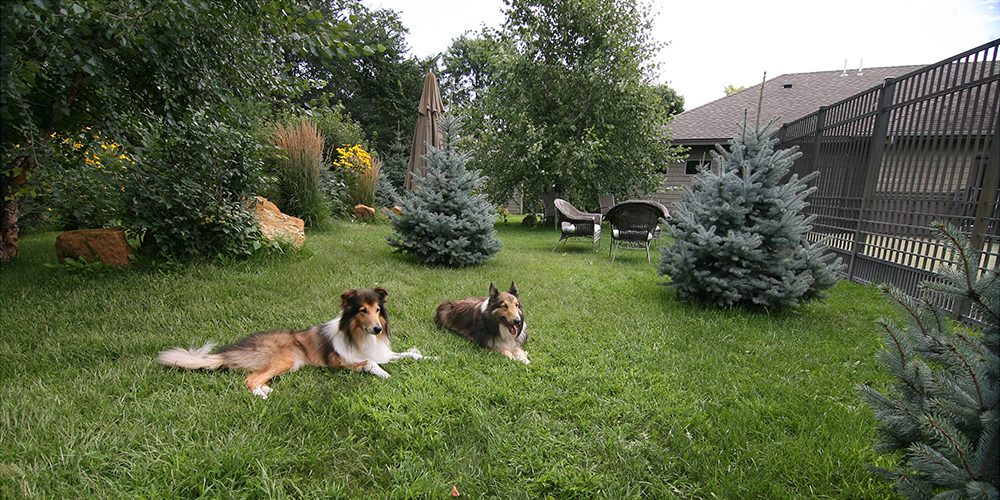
630,393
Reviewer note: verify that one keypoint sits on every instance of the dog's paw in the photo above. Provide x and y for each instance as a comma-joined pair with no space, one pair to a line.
522,356
376,370
414,353
262,391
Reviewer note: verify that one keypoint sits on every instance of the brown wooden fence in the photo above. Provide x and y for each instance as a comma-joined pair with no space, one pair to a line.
919,148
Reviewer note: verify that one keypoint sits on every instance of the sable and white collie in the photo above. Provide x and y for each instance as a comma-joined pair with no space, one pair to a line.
357,339
495,322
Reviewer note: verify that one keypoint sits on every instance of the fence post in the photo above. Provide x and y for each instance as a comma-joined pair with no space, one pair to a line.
987,195
880,133
818,140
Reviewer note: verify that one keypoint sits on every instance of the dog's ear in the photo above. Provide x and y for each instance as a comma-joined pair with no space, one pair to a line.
493,291
382,293
513,289
346,298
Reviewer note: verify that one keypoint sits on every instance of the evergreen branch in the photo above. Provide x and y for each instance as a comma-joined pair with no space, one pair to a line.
960,246
987,451
970,369
904,357
928,460
908,306
904,482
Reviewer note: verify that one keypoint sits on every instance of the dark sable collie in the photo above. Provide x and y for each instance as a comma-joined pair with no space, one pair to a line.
495,322
357,339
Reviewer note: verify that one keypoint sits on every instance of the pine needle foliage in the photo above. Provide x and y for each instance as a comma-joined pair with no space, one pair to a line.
739,234
447,221
942,413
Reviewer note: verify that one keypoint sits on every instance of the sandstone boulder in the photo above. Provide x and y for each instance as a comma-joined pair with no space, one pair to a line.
275,225
92,245
363,212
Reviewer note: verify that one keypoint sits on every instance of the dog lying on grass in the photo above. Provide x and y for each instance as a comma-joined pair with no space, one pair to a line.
495,322
357,339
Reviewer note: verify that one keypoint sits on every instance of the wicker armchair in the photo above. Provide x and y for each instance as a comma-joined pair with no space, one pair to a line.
634,224
573,223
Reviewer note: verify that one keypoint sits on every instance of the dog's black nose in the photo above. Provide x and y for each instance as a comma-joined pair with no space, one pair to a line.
377,329
517,321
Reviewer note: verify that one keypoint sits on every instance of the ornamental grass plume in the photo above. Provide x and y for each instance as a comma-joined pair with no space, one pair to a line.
365,183
299,191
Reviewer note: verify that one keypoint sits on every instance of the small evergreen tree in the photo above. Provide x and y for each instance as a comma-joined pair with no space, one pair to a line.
944,411
446,221
394,164
392,176
739,235
386,194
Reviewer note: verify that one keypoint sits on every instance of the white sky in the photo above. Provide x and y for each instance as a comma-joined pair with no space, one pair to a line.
714,43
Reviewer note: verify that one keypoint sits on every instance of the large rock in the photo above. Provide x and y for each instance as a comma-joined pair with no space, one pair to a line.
276,225
363,212
91,245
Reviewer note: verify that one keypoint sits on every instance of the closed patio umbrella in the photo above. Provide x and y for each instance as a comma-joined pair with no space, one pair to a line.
426,132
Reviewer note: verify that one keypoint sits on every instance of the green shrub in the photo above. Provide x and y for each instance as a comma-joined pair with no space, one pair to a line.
79,184
337,129
187,193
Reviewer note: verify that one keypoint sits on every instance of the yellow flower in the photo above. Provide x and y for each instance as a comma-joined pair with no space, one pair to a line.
354,158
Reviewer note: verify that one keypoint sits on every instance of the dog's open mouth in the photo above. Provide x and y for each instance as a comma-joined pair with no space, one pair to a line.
511,327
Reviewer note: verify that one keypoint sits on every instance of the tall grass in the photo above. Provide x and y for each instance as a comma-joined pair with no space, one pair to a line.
630,392
302,155
361,189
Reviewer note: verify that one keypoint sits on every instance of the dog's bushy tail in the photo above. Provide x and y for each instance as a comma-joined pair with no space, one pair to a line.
192,359
442,311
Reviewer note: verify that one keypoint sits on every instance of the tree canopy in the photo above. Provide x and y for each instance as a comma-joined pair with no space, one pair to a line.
117,67
569,103
380,90
93,63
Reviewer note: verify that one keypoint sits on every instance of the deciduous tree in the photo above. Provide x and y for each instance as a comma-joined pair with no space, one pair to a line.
379,90
571,105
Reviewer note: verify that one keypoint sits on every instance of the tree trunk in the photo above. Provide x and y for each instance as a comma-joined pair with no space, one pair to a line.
10,205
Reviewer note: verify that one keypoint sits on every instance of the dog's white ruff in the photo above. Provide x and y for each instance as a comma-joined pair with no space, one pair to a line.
368,349
508,345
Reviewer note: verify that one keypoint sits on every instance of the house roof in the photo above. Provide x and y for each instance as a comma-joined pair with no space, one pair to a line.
789,96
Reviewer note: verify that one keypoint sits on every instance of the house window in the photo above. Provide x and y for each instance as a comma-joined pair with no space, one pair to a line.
693,167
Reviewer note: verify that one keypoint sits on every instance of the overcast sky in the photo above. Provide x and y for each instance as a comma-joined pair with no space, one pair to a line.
714,43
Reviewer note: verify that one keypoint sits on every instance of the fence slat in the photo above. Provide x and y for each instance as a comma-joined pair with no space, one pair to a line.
920,148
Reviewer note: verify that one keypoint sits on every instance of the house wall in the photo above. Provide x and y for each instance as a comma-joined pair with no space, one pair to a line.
678,177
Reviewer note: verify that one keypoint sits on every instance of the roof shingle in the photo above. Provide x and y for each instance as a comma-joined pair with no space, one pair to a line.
789,96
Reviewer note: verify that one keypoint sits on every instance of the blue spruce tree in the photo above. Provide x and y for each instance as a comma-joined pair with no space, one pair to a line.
739,234
447,221
943,410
